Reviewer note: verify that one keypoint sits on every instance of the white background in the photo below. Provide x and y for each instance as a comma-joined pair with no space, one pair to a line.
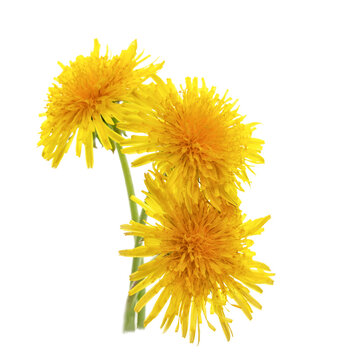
292,64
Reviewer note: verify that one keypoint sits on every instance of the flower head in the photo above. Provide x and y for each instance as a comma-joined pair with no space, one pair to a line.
201,256
86,98
195,136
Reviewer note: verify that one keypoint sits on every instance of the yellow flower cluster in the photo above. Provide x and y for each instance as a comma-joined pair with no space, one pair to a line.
201,152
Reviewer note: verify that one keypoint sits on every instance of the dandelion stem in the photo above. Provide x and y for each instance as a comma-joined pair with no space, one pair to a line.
141,314
129,315
128,183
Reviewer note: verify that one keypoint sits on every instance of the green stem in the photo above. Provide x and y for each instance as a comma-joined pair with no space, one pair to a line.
128,182
141,314
129,315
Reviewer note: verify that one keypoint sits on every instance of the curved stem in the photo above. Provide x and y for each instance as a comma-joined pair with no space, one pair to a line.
128,182
129,315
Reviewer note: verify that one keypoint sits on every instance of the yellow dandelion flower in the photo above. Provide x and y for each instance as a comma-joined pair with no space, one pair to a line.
201,256
87,97
194,135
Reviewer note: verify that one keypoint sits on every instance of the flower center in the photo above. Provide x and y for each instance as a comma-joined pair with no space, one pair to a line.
194,245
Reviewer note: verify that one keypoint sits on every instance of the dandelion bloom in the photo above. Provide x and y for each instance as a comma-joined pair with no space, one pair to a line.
86,98
195,136
201,256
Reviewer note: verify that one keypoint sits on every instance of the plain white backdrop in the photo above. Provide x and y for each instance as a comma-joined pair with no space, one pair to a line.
292,64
